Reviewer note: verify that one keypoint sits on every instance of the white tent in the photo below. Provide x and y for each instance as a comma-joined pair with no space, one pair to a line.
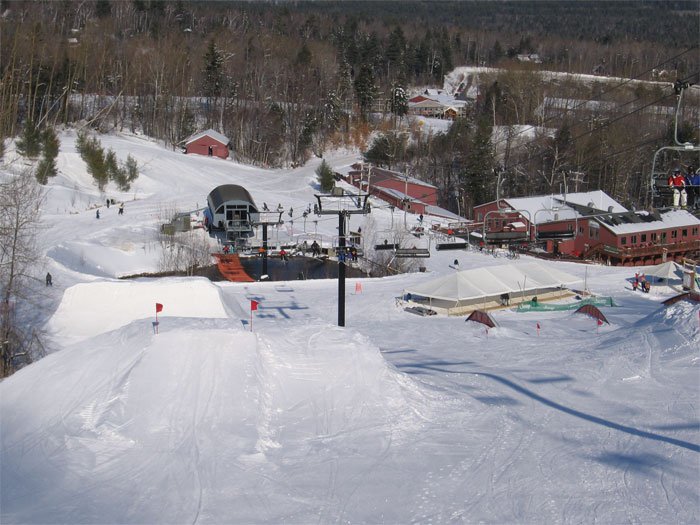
463,291
667,270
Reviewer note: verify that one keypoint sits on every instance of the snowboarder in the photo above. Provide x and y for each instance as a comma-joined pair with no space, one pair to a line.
49,281
121,208
283,254
97,214
107,203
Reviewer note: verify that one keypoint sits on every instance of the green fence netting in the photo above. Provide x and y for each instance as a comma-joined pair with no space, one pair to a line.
530,306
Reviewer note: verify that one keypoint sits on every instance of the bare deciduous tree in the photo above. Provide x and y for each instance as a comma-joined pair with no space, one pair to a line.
20,202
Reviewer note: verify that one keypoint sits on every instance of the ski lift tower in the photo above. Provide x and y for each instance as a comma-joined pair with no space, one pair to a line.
342,205
265,219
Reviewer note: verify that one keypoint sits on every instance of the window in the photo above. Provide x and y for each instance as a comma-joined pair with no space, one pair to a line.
684,233
694,231
663,237
480,217
623,240
644,237
674,234
580,230
633,240
653,237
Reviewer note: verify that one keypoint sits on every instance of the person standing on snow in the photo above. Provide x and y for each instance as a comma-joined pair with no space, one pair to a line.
121,208
97,214
49,280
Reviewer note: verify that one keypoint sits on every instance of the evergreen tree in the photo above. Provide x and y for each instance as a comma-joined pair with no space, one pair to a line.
304,56
324,173
399,100
365,89
213,71
93,154
132,169
103,9
395,53
47,165
29,144
477,179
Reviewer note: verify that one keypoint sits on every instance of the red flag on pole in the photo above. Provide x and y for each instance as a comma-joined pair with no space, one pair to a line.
159,308
253,307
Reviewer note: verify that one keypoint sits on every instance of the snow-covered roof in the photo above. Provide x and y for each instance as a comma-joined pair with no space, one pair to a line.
219,137
547,208
442,212
397,194
669,219
597,199
436,97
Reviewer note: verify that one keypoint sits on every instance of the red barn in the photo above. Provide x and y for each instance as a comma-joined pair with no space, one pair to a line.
209,142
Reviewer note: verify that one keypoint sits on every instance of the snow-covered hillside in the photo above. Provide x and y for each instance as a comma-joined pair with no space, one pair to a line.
395,418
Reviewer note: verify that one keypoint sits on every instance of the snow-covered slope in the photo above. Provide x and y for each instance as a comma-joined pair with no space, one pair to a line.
395,418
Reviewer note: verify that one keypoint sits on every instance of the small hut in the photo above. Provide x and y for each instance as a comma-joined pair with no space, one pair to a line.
208,142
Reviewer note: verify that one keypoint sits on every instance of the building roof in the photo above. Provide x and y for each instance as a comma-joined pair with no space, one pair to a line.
640,222
380,174
397,194
547,208
230,192
218,137
442,212
438,97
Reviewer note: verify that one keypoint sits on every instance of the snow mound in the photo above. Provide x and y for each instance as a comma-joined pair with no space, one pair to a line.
90,309
199,416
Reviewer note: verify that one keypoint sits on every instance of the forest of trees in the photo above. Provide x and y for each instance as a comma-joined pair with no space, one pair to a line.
287,80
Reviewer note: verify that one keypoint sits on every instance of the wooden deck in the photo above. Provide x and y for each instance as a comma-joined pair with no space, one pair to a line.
231,268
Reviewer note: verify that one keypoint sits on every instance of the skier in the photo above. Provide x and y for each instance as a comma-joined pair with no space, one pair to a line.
121,208
49,281
97,214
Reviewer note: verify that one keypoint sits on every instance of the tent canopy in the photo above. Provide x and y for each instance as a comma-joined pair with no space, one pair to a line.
479,283
667,270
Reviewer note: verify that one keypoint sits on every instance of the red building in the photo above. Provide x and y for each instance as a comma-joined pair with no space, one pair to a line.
591,225
209,142
393,184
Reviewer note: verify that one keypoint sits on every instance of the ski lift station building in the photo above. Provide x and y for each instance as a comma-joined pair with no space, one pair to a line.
229,209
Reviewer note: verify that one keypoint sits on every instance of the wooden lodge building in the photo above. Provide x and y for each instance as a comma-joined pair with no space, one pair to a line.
591,225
